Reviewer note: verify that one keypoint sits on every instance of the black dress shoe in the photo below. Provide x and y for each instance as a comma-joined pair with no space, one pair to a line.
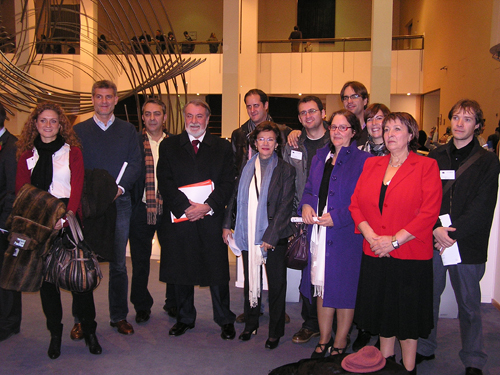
362,340
473,371
142,316
247,335
54,346
179,329
228,332
272,343
93,344
171,311
419,358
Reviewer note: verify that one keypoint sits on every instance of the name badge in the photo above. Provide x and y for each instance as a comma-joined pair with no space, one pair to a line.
447,174
31,163
296,155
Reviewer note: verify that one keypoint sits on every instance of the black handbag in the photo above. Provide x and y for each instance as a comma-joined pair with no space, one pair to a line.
297,252
71,264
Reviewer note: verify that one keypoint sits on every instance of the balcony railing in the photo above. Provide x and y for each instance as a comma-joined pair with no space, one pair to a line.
400,42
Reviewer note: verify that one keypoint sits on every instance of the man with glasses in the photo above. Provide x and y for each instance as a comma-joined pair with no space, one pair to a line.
313,137
355,98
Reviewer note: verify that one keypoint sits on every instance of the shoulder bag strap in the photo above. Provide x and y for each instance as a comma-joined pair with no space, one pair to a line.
462,169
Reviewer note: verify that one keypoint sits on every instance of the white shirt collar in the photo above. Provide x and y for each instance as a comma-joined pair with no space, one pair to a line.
200,138
102,125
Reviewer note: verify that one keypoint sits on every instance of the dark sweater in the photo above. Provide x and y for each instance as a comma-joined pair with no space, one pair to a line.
109,149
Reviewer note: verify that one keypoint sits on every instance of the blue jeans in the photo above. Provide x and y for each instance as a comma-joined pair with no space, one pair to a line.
465,280
118,280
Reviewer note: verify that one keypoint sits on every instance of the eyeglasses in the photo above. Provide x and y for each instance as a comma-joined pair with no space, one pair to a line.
311,112
262,140
342,128
345,98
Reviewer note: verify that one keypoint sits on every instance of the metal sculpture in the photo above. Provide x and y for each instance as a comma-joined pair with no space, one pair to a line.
149,63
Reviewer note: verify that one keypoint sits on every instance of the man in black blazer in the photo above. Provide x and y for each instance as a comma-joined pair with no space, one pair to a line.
10,301
195,253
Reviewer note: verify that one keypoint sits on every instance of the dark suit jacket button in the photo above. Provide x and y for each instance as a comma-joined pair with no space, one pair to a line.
270,218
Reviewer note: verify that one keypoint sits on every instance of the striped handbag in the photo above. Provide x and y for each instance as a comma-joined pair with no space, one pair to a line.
71,264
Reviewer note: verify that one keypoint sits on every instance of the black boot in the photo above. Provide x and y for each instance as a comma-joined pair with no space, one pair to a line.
89,328
93,344
55,343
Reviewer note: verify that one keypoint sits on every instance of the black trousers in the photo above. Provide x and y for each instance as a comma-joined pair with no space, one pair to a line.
141,236
10,300
170,296
276,280
186,312
83,304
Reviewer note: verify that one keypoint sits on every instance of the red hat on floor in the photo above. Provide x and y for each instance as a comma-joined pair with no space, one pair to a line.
367,359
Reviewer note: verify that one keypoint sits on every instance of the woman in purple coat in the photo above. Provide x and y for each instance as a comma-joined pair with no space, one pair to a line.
333,269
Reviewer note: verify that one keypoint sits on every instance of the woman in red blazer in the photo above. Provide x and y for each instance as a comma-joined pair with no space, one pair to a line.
395,206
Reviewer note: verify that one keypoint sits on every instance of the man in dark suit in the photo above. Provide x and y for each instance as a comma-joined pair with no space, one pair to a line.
10,301
195,253
147,207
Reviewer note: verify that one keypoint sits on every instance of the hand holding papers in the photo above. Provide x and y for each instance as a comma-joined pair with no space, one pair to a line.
197,193
451,255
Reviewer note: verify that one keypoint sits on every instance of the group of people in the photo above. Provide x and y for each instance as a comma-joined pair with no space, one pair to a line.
371,203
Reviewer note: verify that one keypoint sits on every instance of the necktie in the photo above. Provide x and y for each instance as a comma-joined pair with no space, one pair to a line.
195,144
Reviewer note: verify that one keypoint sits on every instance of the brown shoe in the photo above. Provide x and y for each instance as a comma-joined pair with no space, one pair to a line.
240,318
76,333
124,327
304,335
287,318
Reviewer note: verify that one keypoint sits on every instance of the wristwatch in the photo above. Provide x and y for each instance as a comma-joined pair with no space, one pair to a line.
394,242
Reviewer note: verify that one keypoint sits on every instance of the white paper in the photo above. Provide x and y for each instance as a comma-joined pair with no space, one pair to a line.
451,255
298,219
232,245
197,193
122,171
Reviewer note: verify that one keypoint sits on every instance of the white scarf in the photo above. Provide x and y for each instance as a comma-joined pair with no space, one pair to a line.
318,252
